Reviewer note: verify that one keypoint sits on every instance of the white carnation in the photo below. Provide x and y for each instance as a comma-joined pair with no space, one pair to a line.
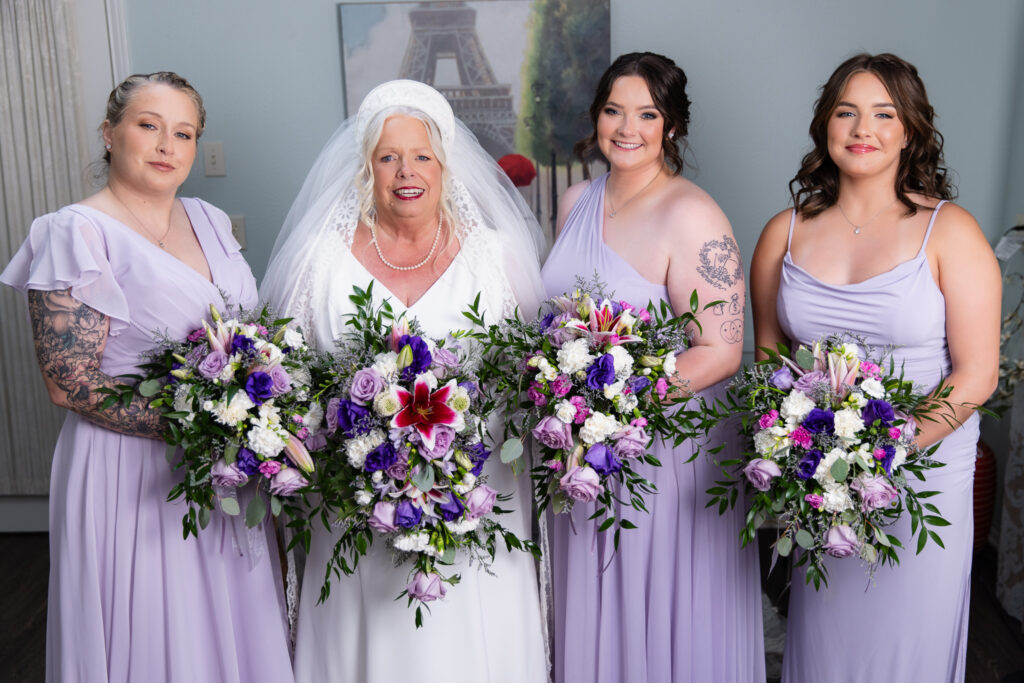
412,543
837,497
314,416
769,441
357,448
823,475
228,373
468,482
574,356
598,427
300,376
233,413
856,400
873,388
796,406
565,411
294,339
848,422
269,412
669,364
363,497
386,364
266,439
626,403
622,361
463,526
898,458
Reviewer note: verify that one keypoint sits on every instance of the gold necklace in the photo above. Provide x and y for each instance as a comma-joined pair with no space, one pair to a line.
373,238
623,205
160,240
856,228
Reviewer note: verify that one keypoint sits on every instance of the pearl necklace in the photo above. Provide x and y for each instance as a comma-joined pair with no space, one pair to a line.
158,240
856,228
392,266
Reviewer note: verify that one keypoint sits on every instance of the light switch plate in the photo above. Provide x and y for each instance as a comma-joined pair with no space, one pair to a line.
213,158
238,229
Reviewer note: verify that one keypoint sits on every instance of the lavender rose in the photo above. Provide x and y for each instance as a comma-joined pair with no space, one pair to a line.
875,492
400,469
383,518
601,458
281,382
630,442
407,515
366,384
782,379
480,501
223,474
287,482
806,382
331,415
581,483
426,587
259,386
212,365
452,508
443,437
553,433
760,473
841,541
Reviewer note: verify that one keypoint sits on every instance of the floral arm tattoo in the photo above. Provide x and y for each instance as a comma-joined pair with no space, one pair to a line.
721,267
70,338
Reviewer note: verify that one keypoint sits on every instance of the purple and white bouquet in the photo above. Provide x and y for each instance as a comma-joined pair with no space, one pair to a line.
406,428
831,453
590,380
236,397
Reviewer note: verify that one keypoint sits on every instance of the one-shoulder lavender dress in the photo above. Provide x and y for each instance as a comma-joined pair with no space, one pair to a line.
129,599
680,601
911,623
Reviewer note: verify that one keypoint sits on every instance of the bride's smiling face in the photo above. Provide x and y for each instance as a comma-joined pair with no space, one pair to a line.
406,173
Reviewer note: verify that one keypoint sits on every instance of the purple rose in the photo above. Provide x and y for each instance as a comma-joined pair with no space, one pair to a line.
560,386
421,357
452,508
877,409
478,454
223,474
366,384
630,442
383,518
553,433
480,501
331,415
559,334
760,473
213,364
426,587
808,465
259,386
601,458
601,372
875,492
247,462
400,469
241,343
443,437
281,383
807,381
581,483
316,442
841,541
782,379
287,482
820,421
381,457
352,419
407,515
445,358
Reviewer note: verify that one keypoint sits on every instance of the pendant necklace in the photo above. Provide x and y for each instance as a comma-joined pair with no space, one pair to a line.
158,240
614,211
857,228
376,245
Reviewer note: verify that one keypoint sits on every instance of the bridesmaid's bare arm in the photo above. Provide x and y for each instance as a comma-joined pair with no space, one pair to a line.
70,338
765,271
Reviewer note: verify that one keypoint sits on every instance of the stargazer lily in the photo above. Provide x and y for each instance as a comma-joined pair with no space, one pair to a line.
298,454
423,410
606,327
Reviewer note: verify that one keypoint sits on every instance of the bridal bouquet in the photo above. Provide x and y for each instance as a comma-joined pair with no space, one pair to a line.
236,399
590,381
832,452
406,421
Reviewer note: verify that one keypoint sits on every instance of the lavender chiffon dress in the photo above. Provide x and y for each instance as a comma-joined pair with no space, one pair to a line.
680,601
911,623
129,600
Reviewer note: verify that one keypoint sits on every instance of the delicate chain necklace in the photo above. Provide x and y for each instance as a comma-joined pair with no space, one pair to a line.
857,228
392,266
158,240
623,205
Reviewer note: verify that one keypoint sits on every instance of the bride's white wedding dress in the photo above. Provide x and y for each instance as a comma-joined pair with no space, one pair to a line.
488,627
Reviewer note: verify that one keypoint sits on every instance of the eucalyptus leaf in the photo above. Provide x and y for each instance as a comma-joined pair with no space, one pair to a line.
150,387
804,358
423,478
204,517
448,557
804,539
231,453
511,450
230,507
840,468
785,546
275,506
255,511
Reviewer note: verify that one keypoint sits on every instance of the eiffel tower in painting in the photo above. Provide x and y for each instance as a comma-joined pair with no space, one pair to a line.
447,30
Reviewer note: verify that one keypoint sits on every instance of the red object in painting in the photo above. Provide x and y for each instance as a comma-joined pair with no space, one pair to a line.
518,168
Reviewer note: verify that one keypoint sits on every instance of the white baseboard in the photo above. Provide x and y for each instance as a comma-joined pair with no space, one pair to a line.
20,514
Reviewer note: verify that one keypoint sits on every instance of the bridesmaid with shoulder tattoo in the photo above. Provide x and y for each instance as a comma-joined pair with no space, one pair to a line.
129,600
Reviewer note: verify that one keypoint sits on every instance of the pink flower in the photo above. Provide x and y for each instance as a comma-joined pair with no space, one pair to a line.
296,451
768,419
639,422
879,454
269,468
869,369
801,437
535,394
423,410
196,334
661,388
582,411
644,316
302,433
426,587
297,419
815,500
895,433
554,465
561,386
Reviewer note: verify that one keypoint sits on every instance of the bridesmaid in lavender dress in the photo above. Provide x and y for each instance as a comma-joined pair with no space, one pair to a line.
679,601
873,248
129,600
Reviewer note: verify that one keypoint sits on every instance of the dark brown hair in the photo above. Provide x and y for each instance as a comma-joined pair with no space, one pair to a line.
667,85
921,166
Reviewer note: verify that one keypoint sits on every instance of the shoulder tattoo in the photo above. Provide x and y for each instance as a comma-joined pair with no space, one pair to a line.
720,264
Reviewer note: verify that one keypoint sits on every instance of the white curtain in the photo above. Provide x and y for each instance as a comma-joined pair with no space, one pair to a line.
41,163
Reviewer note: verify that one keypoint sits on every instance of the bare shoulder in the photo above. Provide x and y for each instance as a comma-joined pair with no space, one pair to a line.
775,235
955,229
567,201
691,212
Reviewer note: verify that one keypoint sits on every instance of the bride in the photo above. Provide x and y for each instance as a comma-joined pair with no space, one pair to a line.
403,195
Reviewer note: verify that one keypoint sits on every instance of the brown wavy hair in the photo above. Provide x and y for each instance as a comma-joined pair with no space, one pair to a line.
667,85
921,166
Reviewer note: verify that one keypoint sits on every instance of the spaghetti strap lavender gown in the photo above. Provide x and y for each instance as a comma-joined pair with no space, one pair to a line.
129,599
911,624
680,601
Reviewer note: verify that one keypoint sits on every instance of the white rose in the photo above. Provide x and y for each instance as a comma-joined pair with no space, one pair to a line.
837,497
669,364
565,411
547,371
208,405
574,356
294,339
796,406
873,388
377,477
622,361
848,422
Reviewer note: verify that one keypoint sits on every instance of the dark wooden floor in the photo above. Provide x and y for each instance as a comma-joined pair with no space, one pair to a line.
995,652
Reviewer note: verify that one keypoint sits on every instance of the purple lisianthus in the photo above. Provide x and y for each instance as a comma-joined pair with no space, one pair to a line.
383,517
841,541
281,382
545,322
601,372
352,419
443,437
451,509
212,365
601,458
808,465
877,409
381,457
421,357
782,379
890,453
407,515
760,473
470,388
259,386
638,383
241,343
820,421
366,384
478,454
807,381
247,462
553,433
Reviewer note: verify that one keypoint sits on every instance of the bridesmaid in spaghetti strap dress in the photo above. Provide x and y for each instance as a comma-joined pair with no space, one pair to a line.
680,600
874,248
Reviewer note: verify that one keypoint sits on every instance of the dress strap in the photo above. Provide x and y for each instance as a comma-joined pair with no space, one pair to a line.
928,232
792,222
